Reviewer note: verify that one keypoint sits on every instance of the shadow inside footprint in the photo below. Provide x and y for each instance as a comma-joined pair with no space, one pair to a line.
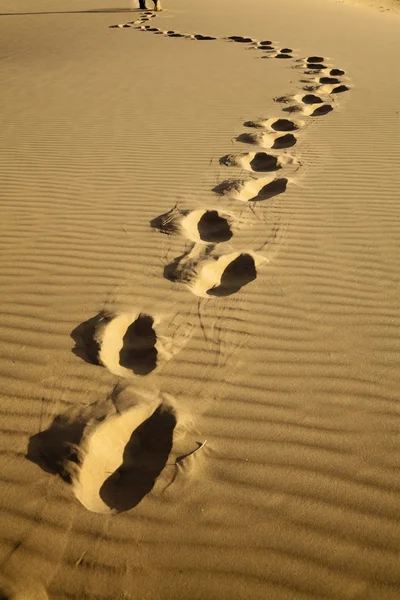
276,187
145,457
213,228
285,141
322,110
240,39
311,99
329,80
238,273
315,67
138,352
340,89
263,163
199,36
52,449
84,336
284,125
315,59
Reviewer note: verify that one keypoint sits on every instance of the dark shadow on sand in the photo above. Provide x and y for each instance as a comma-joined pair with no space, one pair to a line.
238,273
84,336
53,448
213,228
138,352
145,457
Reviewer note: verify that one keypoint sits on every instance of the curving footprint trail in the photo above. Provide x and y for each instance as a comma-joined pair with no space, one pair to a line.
113,455
321,83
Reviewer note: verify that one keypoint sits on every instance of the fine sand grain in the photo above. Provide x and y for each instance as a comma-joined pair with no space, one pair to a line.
200,308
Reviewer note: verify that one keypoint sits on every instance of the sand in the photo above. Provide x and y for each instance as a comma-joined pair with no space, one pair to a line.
199,279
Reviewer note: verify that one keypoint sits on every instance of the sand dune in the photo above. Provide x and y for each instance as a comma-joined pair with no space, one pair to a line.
199,290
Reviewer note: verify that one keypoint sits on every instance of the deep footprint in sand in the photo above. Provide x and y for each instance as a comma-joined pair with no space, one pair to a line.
276,141
258,162
112,453
200,226
307,104
128,344
280,125
252,190
209,274
240,39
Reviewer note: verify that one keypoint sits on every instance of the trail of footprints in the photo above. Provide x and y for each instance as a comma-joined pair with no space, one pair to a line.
131,441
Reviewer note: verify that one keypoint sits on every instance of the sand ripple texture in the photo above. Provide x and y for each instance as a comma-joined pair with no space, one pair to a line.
156,292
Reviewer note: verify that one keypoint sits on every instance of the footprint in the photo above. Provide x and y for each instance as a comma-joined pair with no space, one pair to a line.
212,274
336,87
96,339
199,36
112,452
276,124
332,80
129,344
200,226
144,457
240,39
307,104
315,66
314,59
252,190
259,162
310,111
336,72
276,141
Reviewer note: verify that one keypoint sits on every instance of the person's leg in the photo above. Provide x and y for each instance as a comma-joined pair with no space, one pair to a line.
142,4
157,4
